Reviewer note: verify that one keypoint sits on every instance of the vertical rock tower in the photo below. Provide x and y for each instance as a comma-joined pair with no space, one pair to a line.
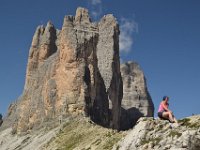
136,101
76,71
72,71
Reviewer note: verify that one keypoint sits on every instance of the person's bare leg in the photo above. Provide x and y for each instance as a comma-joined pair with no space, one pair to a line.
168,115
165,115
175,120
171,117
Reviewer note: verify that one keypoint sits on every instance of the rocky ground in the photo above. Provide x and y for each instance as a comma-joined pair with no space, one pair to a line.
76,133
82,134
156,134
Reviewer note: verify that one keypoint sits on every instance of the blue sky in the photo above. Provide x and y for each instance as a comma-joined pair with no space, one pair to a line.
163,36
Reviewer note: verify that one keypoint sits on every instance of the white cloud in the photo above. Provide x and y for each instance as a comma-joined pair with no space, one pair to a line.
95,8
96,12
127,28
95,2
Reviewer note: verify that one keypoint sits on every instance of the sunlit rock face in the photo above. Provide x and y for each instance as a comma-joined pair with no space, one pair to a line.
75,72
70,72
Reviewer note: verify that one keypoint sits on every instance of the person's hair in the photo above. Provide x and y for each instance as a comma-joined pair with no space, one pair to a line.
164,97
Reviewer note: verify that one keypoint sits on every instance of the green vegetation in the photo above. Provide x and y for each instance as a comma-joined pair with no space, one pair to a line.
194,125
155,141
160,126
184,121
83,135
117,148
145,119
187,122
71,143
175,133
110,142
144,141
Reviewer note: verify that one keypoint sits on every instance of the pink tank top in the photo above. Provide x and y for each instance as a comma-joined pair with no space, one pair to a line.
160,109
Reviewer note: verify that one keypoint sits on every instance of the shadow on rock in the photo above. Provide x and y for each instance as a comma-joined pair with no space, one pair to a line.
129,117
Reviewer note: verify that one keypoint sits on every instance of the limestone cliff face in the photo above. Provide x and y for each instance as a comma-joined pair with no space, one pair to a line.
76,71
72,71
136,101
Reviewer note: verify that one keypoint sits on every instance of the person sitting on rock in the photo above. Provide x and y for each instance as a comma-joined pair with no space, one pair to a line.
164,112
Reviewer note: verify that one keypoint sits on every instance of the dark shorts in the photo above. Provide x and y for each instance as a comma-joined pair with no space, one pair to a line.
160,114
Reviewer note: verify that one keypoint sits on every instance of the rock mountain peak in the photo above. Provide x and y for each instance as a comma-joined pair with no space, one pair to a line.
75,71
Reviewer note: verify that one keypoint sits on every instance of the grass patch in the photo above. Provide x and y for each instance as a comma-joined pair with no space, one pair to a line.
110,143
160,126
175,133
80,134
157,140
184,121
194,125
112,137
73,141
144,141
145,119
117,148
153,140
187,122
